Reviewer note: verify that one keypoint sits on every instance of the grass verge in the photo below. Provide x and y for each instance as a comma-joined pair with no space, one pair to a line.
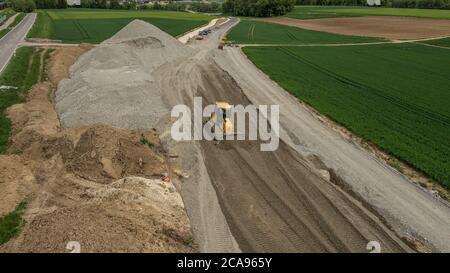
22,72
43,26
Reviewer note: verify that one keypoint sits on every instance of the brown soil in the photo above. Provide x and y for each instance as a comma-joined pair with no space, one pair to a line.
42,40
373,26
12,169
98,185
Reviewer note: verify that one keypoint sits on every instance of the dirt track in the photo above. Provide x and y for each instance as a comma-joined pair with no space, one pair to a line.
272,201
373,26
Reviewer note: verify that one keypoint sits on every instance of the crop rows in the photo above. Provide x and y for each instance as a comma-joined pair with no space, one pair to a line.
254,32
396,96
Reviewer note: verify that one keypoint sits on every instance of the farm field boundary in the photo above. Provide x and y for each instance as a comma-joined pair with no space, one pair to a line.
388,27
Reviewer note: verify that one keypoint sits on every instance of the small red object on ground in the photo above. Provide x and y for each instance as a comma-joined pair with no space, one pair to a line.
166,179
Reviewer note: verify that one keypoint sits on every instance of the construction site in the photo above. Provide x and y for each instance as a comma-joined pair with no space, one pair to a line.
92,154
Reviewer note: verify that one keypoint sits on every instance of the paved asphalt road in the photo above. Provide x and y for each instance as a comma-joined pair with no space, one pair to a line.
11,41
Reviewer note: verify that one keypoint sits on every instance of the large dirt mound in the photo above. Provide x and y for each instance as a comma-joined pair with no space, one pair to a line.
113,83
97,185
129,215
12,192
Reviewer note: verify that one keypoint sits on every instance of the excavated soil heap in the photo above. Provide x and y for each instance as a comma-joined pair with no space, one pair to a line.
96,185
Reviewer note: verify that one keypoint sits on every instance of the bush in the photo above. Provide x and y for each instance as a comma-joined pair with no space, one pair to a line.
114,4
173,6
23,5
51,4
205,7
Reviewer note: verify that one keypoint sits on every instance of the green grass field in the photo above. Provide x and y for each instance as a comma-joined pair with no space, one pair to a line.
22,72
310,12
255,32
94,26
396,96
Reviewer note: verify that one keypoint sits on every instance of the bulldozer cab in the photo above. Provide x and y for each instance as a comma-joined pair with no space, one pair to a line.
224,109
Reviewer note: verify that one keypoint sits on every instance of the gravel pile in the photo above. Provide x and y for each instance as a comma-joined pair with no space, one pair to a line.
114,84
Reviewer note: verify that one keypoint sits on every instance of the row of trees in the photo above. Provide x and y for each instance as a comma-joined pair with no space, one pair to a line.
31,5
51,4
98,4
258,8
424,4
107,4
332,2
173,6
22,5
421,4
205,7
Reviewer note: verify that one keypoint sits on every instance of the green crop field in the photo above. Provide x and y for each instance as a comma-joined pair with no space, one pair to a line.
94,26
394,95
440,42
309,12
255,32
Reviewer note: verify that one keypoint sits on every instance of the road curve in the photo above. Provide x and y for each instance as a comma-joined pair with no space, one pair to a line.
10,42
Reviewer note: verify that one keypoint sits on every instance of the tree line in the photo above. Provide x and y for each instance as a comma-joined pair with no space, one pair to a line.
21,5
107,4
51,4
421,4
173,6
332,2
258,8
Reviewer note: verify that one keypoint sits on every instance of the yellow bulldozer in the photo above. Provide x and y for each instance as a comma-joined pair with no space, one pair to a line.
226,125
